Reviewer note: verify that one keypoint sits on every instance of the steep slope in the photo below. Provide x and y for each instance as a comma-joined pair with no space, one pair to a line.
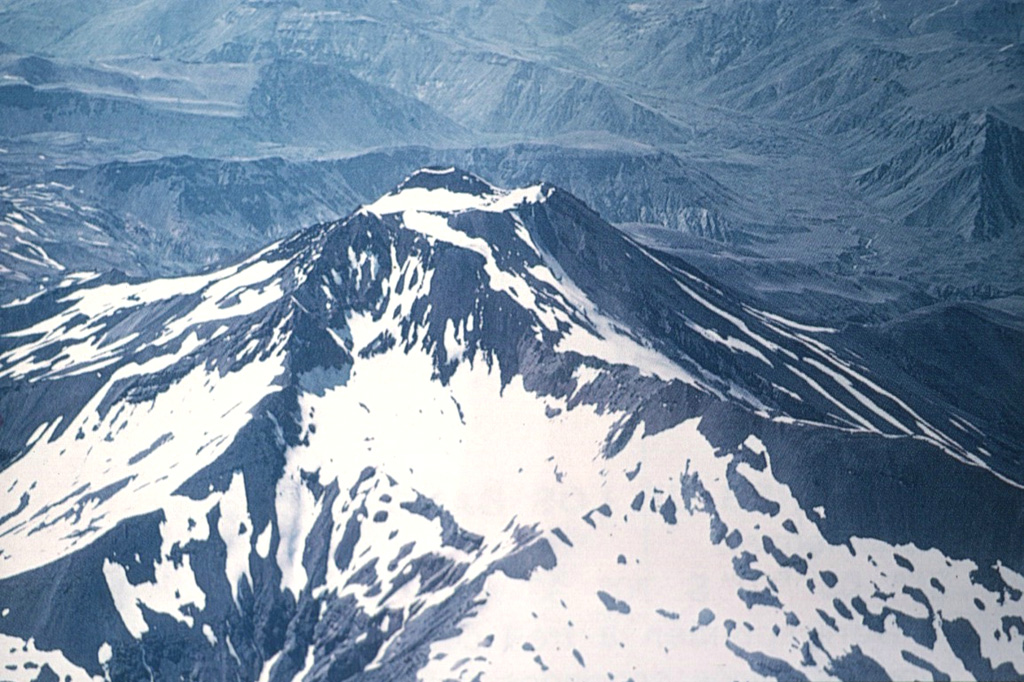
475,432
969,176
329,109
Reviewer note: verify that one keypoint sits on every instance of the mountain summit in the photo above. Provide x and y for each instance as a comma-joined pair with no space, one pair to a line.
476,433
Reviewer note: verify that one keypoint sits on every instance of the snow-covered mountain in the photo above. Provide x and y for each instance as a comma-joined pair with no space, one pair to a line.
475,433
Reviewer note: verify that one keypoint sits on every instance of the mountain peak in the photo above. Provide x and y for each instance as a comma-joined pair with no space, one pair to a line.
450,190
450,178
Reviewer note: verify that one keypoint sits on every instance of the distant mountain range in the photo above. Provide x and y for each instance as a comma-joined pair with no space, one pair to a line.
822,127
